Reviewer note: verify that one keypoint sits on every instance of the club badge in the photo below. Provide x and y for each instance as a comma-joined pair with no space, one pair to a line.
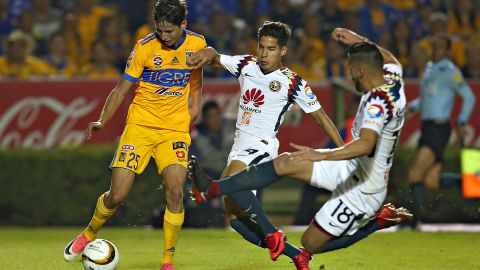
274,86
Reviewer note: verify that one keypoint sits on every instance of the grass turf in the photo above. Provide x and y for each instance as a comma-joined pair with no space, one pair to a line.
27,248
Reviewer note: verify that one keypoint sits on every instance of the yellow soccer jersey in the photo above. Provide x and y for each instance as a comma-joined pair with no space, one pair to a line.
161,98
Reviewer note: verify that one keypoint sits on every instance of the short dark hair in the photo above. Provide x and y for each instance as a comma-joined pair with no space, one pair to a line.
208,105
278,30
366,53
171,11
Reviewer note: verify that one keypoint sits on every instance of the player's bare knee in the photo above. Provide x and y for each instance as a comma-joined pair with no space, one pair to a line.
309,244
174,194
283,165
415,175
114,199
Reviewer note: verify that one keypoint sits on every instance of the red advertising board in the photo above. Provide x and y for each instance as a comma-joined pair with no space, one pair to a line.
50,114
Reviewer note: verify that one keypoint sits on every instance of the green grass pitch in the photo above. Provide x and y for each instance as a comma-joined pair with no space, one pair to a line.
27,248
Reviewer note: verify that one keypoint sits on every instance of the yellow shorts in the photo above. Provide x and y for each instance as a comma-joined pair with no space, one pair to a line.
139,143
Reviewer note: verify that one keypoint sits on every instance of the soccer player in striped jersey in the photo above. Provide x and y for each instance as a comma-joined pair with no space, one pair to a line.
157,123
268,90
356,173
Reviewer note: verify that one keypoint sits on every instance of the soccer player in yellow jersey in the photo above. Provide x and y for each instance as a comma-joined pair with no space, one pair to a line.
157,123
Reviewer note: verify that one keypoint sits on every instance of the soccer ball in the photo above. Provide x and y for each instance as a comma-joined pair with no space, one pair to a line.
100,254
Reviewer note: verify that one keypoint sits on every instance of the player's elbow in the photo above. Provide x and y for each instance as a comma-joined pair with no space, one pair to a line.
368,146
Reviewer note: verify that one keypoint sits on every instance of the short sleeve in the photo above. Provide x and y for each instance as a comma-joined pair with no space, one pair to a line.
235,64
135,64
393,69
457,78
375,114
306,99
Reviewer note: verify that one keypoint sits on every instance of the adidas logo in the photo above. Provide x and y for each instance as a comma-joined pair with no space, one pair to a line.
172,249
175,60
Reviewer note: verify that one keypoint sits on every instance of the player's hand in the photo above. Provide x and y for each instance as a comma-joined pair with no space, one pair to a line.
202,57
92,126
305,153
346,36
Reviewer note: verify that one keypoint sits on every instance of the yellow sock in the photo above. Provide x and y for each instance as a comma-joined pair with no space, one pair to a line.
100,216
172,224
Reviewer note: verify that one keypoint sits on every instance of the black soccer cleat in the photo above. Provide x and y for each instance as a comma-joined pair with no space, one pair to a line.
200,180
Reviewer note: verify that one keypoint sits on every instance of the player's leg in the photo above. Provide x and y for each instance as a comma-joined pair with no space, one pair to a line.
254,177
423,162
121,184
131,157
388,216
237,219
171,157
432,177
174,179
432,143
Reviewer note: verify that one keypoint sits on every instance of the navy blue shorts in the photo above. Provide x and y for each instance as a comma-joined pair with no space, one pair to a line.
435,136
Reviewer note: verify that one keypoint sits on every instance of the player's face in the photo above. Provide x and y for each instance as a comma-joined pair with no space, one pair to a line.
269,53
439,49
170,34
355,74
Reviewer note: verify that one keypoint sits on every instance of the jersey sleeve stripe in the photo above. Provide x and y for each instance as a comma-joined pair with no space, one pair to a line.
294,84
284,110
245,61
194,34
130,78
148,38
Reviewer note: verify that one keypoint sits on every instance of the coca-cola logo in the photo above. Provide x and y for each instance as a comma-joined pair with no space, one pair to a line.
254,95
17,121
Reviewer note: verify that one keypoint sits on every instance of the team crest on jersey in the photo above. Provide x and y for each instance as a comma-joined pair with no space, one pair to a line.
375,111
308,92
122,156
179,145
274,86
188,54
157,62
129,60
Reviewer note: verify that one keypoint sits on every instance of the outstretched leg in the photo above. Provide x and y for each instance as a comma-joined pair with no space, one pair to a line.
252,178
387,216
107,203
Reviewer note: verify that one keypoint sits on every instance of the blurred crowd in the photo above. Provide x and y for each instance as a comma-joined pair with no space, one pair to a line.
61,39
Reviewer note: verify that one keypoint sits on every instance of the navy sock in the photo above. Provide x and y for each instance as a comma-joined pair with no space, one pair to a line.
418,193
343,242
291,250
449,179
247,201
251,232
244,227
254,177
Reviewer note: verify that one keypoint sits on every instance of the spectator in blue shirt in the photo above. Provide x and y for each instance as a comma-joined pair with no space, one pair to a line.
441,81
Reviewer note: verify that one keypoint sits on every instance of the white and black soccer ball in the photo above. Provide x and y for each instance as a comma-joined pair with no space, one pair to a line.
100,254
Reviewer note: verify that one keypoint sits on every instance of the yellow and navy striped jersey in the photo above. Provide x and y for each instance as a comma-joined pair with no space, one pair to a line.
163,75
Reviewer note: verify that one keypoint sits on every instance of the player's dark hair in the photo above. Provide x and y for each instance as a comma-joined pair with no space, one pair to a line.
171,11
208,105
446,39
366,53
278,30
